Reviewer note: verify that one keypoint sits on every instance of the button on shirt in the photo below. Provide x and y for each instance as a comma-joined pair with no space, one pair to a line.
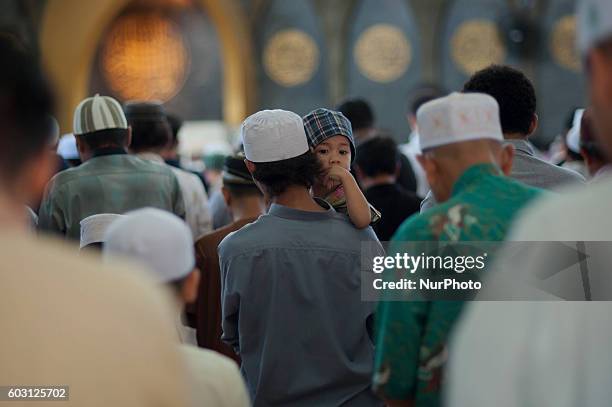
292,308
411,334
107,183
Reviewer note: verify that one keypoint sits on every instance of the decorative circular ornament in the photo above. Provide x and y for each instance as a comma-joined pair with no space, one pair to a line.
291,57
475,45
383,53
144,57
562,44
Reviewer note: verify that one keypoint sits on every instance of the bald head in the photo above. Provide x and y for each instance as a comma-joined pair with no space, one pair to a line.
445,164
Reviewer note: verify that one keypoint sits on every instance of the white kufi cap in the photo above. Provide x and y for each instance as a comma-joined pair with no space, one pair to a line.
273,135
156,238
67,147
458,117
94,227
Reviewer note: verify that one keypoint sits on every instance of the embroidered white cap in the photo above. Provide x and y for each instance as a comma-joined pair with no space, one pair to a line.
158,239
458,117
98,113
273,135
594,19
94,227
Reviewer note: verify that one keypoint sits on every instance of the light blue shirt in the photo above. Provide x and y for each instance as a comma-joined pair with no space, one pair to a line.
292,309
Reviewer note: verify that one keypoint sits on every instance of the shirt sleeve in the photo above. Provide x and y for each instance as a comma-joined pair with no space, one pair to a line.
230,300
50,217
411,335
203,218
178,203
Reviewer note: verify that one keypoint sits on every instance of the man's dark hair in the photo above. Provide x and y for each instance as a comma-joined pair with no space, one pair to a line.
359,113
276,176
149,134
512,90
175,125
108,138
150,127
378,155
25,105
422,94
242,190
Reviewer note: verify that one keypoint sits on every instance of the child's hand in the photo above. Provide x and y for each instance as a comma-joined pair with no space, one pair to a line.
336,175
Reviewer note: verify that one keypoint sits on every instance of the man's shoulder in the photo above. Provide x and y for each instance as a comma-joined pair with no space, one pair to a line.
186,177
107,165
245,237
268,231
416,227
215,237
582,214
216,377
537,172
513,187
58,262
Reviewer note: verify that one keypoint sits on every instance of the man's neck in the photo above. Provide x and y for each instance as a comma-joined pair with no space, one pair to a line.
515,136
297,197
12,214
247,208
382,179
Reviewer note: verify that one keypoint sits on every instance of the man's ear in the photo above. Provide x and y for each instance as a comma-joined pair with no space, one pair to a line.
227,197
430,167
128,139
81,147
250,166
190,288
506,158
534,124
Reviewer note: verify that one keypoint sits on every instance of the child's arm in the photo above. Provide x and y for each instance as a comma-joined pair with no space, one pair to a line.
357,205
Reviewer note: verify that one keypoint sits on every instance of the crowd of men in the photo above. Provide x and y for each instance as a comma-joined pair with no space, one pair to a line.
123,282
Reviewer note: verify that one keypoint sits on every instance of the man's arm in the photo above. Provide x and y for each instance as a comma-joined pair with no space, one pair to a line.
230,301
50,216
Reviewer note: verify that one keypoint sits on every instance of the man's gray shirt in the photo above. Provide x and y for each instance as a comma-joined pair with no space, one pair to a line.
530,170
292,309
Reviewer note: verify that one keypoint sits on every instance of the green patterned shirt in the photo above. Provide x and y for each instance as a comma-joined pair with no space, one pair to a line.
411,335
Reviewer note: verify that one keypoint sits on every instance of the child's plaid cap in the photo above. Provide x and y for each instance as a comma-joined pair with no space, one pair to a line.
321,124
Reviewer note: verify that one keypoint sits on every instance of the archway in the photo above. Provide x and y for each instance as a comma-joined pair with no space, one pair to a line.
71,30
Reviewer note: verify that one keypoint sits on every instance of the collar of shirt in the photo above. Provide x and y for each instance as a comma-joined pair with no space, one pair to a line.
473,175
151,157
522,146
101,152
295,214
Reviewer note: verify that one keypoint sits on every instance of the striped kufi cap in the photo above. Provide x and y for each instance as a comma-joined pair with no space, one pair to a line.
98,113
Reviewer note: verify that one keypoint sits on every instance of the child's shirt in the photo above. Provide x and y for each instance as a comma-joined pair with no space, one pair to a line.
337,199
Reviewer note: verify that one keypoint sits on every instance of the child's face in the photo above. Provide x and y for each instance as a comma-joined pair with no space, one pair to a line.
335,150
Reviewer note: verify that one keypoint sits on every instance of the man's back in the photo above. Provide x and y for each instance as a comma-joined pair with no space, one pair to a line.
113,183
481,209
292,308
395,204
105,333
535,172
206,311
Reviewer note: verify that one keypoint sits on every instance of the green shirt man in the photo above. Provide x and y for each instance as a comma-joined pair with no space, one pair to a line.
479,204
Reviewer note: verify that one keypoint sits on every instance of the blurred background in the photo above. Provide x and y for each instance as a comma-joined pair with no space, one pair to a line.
213,62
